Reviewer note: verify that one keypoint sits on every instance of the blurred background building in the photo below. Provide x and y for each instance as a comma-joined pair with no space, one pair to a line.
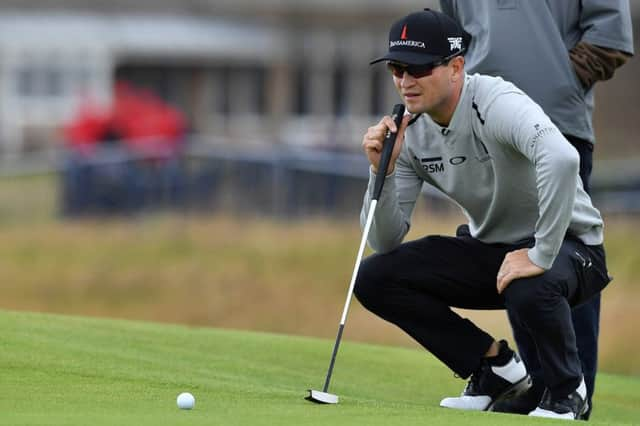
261,74
267,71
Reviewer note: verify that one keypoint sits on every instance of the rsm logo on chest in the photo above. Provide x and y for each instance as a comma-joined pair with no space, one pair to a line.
436,164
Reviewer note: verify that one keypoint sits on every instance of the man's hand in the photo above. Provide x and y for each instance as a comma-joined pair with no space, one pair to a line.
374,138
516,264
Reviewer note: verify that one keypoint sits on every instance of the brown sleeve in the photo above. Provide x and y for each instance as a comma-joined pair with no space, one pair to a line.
594,63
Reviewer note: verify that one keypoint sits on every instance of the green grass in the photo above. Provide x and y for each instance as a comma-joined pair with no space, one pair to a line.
62,370
248,272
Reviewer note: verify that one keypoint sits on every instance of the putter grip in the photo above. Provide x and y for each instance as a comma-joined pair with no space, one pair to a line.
387,149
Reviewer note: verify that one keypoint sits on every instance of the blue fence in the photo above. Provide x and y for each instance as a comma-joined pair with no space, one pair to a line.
281,182
273,181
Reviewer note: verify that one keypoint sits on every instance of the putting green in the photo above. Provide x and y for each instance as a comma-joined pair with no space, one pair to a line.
59,370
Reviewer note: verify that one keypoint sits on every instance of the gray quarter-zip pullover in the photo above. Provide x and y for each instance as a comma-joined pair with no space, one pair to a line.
506,165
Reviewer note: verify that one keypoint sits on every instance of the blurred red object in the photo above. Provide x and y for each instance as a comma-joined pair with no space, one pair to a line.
139,119
88,128
145,123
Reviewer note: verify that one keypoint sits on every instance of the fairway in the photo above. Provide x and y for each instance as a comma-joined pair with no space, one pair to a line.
63,370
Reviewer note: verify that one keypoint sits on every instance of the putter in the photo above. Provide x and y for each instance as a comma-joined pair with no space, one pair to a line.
323,397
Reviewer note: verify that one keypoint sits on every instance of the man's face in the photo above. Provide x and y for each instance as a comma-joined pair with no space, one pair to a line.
425,94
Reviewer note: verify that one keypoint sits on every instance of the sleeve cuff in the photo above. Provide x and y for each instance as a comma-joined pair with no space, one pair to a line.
540,259
389,183
372,174
610,43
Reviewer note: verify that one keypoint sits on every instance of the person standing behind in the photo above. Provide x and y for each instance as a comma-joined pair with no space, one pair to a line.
555,51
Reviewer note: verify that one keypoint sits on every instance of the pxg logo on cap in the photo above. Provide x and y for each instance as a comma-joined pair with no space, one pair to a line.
424,37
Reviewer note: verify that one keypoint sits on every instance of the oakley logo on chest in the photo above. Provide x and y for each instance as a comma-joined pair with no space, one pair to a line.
455,161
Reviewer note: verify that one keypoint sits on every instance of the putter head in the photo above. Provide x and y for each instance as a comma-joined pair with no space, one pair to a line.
321,397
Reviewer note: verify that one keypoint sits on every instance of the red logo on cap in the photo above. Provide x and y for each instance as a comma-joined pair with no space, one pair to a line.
403,36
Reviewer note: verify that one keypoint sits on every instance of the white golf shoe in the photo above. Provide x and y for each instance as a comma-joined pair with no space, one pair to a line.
492,383
572,407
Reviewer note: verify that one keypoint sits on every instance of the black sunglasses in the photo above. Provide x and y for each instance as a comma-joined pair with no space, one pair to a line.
417,71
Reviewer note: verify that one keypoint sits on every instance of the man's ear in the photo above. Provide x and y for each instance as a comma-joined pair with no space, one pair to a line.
457,64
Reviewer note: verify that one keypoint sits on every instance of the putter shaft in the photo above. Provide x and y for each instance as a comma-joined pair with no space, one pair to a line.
363,244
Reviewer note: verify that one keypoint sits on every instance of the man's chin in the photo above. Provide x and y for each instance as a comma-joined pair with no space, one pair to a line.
413,109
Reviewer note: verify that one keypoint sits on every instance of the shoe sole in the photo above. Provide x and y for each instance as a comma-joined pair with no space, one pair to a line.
514,390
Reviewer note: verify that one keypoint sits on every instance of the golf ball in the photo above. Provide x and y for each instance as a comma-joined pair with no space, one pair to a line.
186,401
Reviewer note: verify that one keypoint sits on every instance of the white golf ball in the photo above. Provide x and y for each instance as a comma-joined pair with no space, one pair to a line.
186,401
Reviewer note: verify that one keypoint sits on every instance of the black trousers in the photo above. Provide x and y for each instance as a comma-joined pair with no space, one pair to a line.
415,285
585,317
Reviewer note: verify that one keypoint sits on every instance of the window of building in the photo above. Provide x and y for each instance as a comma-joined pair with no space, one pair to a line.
222,101
258,78
52,85
240,89
301,104
34,81
26,81
379,80
340,82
